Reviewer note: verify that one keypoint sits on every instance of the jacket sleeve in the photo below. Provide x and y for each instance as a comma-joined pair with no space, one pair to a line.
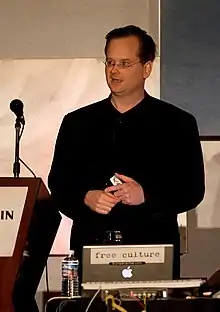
179,185
66,178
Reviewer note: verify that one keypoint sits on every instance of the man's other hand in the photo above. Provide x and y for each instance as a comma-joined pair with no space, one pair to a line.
129,192
100,201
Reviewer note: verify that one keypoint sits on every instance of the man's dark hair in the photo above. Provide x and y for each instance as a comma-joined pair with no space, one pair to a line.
147,46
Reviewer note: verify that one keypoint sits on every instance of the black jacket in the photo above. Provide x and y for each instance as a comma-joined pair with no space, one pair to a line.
155,143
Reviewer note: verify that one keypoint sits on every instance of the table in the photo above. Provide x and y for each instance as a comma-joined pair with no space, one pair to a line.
57,304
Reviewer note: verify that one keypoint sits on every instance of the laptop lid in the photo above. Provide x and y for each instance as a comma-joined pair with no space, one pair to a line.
116,263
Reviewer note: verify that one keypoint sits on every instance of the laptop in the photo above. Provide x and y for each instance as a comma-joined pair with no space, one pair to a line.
132,263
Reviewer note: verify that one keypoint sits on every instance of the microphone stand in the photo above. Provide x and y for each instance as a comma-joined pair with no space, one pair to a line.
16,165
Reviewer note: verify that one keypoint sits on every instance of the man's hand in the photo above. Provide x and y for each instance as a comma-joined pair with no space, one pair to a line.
130,192
100,201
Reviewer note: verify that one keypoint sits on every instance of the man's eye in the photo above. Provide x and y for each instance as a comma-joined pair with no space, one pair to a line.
125,64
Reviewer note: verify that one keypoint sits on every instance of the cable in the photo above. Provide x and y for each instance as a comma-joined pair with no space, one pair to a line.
27,167
22,130
114,304
20,135
62,305
67,299
138,300
93,298
143,303
47,278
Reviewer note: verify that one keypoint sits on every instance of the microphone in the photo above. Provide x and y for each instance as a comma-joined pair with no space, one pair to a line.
16,106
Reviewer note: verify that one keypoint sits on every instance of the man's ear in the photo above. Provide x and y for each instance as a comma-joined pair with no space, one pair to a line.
147,69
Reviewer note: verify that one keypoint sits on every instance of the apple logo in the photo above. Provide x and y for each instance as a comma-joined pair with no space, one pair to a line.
127,273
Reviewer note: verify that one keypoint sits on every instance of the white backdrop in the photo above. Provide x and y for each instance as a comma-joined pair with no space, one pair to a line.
49,89
69,28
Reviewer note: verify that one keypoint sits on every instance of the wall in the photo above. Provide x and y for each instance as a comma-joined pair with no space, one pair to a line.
67,29
190,63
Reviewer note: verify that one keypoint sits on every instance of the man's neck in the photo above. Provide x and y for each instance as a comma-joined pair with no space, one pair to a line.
124,103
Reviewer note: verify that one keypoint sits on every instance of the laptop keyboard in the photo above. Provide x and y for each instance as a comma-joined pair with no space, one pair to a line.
181,283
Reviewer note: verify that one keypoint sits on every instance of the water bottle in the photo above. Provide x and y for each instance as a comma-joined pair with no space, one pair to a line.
70,276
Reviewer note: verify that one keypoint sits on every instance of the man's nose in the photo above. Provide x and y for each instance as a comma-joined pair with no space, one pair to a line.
114,68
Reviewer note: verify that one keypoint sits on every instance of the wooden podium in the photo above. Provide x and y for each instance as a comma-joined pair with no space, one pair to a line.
35,190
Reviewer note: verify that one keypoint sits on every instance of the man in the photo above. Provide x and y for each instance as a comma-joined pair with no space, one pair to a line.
153,147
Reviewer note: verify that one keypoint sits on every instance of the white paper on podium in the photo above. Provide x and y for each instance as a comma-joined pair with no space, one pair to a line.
12,200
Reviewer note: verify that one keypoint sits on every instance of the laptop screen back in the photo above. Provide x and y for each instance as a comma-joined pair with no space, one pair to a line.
116,263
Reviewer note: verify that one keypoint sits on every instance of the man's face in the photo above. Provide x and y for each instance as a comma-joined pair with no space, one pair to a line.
122,78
